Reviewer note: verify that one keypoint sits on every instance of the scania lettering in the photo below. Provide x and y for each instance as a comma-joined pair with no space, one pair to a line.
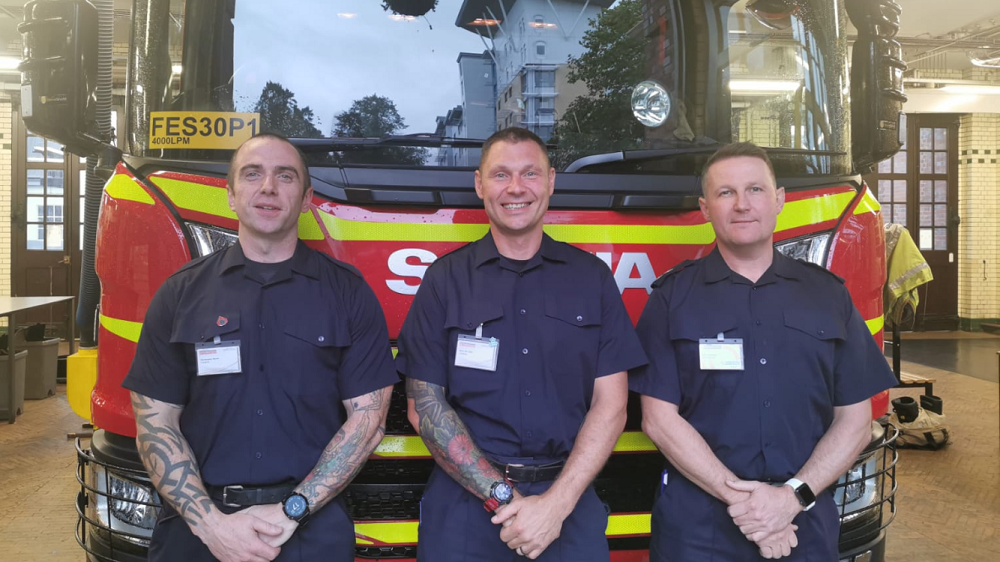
390,101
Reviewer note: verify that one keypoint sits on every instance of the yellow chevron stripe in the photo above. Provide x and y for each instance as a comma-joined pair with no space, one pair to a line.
811,211
633,524
213,201
868,204
125,188
122,328
875,324
196,197
405,532
412,446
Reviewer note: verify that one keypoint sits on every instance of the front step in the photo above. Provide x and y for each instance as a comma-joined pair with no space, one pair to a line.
991,328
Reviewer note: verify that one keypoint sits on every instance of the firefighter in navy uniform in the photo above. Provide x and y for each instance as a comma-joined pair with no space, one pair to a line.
261,383
758,384
515,353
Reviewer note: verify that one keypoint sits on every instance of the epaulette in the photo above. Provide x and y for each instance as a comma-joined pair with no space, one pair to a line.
821,268
673,271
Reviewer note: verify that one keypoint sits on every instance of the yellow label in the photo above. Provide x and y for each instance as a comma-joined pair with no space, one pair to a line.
201,129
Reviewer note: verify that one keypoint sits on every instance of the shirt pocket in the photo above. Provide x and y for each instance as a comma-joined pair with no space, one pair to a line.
463,320
812,338
204,329
311,357
686,333
571,331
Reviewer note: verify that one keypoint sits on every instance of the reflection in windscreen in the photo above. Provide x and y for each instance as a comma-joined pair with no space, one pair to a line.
566,69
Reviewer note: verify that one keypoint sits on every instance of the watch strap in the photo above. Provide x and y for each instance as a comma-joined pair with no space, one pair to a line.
803,493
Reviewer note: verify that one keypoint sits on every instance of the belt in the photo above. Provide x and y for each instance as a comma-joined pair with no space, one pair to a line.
237,495
537,473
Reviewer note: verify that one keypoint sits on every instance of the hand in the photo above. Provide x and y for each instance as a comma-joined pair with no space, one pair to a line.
779,544
768,510
530,524
238,537
274,514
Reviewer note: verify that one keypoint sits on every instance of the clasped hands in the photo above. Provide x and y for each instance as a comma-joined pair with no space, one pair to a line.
764,514
529,524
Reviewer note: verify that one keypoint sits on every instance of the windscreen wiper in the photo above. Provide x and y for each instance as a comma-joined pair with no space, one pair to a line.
335,144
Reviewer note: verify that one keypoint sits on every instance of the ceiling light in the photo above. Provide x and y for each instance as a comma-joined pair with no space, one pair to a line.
970,89
9,63
764,86
482,22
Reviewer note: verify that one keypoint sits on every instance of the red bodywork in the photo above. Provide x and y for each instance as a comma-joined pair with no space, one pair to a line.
141,244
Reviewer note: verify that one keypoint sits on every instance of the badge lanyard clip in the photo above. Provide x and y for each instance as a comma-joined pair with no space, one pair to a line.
721,337
217,340
479,332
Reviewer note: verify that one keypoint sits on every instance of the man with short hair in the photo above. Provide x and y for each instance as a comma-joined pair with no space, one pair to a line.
758,384
515,353
261,382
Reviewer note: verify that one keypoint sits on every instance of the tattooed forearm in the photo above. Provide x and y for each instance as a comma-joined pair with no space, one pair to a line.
168,458
448,439
347,452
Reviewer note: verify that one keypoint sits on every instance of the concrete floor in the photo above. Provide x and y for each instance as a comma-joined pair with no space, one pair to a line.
948,502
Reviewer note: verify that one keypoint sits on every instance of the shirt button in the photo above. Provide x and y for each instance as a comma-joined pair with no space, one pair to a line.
767,403
523,311
527,393
579,318
820,332
528,434
524,351
321,338
261,326
259,455
260,367
763,361
260,412
758,322
469,324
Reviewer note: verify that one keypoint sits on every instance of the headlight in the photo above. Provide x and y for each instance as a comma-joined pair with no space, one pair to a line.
209,239
811,248
130,502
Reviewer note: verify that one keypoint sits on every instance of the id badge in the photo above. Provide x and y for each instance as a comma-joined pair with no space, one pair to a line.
721,354
477,352
218,357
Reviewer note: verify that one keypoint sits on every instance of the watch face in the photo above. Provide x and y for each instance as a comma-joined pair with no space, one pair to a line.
806,495
296,505
503,492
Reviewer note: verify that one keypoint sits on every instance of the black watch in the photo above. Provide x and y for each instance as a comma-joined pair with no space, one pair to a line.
803,492
295,506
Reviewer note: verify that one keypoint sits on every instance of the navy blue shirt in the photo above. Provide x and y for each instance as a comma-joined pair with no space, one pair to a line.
560,322
806,350
311,335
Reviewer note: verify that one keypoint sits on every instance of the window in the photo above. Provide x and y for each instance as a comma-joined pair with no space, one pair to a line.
545,78
540,49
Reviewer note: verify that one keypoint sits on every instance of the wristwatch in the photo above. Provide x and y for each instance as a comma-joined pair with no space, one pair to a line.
803,492
295,506
501,492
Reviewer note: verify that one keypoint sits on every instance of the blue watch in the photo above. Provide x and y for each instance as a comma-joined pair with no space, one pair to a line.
296,506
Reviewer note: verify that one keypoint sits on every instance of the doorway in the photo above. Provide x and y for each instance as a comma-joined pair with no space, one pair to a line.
918,188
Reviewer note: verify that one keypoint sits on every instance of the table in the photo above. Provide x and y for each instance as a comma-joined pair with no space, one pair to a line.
9,307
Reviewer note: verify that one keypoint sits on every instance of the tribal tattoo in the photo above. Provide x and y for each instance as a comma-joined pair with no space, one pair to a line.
448,439
168,458
347,452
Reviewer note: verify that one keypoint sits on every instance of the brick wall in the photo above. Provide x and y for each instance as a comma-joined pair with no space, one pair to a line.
979,208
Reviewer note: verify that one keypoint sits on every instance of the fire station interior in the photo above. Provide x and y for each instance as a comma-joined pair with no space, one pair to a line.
939,197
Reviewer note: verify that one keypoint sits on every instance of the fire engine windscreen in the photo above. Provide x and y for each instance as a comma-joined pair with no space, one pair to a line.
769,71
